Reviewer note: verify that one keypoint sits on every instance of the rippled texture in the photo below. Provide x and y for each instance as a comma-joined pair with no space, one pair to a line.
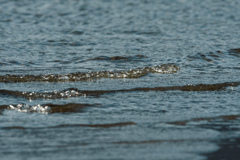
125,79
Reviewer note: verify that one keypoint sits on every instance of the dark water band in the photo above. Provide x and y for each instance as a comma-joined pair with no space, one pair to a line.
73,92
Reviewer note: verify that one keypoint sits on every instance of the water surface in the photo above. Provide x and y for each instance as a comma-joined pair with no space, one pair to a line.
118,80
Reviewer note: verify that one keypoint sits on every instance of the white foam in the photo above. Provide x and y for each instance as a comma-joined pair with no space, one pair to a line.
27,108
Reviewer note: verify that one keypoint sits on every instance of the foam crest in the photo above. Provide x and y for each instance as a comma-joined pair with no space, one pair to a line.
52,95
86,76
27,108
50,108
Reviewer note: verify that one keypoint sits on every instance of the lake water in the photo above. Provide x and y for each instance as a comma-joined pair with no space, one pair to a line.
119,80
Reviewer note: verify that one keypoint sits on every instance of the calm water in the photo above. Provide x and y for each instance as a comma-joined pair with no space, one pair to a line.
108,79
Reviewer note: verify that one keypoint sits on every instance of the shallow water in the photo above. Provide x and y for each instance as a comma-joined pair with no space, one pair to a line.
122,79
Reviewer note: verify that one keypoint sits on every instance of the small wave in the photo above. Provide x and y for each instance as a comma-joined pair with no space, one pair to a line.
158,141
208,57
108,125
46,95
27,108
85,76
73,92
120,58
224,117
50,108
214,56
137,32
97,125
235,52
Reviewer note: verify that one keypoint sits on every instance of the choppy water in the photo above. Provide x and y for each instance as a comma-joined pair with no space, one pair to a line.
125,79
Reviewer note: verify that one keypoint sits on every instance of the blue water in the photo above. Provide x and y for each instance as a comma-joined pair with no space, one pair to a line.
105,79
